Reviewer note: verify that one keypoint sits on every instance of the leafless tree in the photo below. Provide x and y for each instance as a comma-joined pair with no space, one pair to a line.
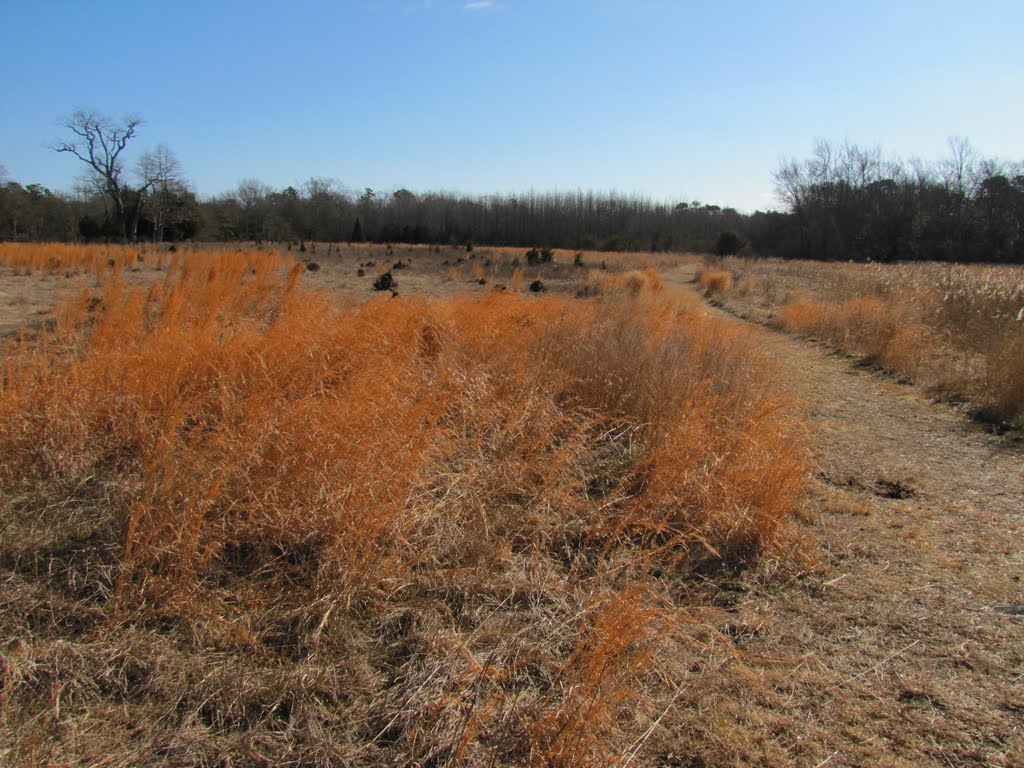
251,195
159,172
98,142
959,171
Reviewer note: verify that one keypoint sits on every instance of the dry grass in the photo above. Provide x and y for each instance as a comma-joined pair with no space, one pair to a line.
955,329
632,283
888,334
64,258
279,528
714,281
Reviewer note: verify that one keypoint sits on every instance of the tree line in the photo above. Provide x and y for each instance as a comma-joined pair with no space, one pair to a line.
843,202
848,202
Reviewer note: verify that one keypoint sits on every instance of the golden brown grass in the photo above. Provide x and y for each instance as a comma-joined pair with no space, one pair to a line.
886,333
388,531
955,329
714,281
58,258
632,283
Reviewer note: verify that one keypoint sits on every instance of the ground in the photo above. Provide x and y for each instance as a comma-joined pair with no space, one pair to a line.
895,636
905,646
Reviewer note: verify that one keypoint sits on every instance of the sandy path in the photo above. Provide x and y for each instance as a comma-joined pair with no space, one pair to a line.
904,647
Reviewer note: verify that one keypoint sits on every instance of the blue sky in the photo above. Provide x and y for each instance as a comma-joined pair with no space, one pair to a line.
679,100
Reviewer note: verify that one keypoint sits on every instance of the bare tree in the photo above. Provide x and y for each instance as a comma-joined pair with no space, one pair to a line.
99,142
251,195
159,172
959,171
960,177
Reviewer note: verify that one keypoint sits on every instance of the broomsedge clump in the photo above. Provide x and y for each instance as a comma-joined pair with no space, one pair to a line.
276,527
714,281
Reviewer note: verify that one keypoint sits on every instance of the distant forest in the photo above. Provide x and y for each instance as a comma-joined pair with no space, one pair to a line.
844,202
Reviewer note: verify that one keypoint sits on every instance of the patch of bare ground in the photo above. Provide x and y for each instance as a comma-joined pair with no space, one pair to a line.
905,646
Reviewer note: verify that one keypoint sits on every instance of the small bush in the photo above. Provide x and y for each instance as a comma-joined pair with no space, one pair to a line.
729,243
537,256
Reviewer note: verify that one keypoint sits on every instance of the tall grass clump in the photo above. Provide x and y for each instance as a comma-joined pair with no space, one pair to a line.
383,532
714,281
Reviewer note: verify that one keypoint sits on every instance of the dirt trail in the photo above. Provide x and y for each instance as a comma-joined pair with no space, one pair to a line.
906,646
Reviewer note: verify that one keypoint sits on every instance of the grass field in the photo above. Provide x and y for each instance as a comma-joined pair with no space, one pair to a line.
257,513
505,510
957,330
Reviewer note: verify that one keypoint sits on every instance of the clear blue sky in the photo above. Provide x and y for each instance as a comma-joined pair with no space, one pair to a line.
680,100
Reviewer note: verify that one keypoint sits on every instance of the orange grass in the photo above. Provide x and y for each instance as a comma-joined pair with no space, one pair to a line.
956,329
395,448
714,281
632,283
884,332
895,335
55,258
601,678
250,414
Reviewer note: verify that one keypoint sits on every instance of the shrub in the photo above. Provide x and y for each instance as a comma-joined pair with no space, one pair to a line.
537,256
729,243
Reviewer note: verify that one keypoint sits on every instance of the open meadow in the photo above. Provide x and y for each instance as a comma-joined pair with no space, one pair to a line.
957,330
486,383
406,505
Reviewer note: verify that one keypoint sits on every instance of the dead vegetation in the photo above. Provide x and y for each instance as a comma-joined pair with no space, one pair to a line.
246,522
958,330
714,281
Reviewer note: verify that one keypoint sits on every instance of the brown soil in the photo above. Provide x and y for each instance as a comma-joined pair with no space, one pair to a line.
905,645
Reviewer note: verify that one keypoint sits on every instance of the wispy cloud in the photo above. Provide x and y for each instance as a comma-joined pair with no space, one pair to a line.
410,8
479,5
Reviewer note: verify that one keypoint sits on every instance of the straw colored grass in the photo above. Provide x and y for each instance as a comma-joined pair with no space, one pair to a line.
391,531
714,281
955,329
